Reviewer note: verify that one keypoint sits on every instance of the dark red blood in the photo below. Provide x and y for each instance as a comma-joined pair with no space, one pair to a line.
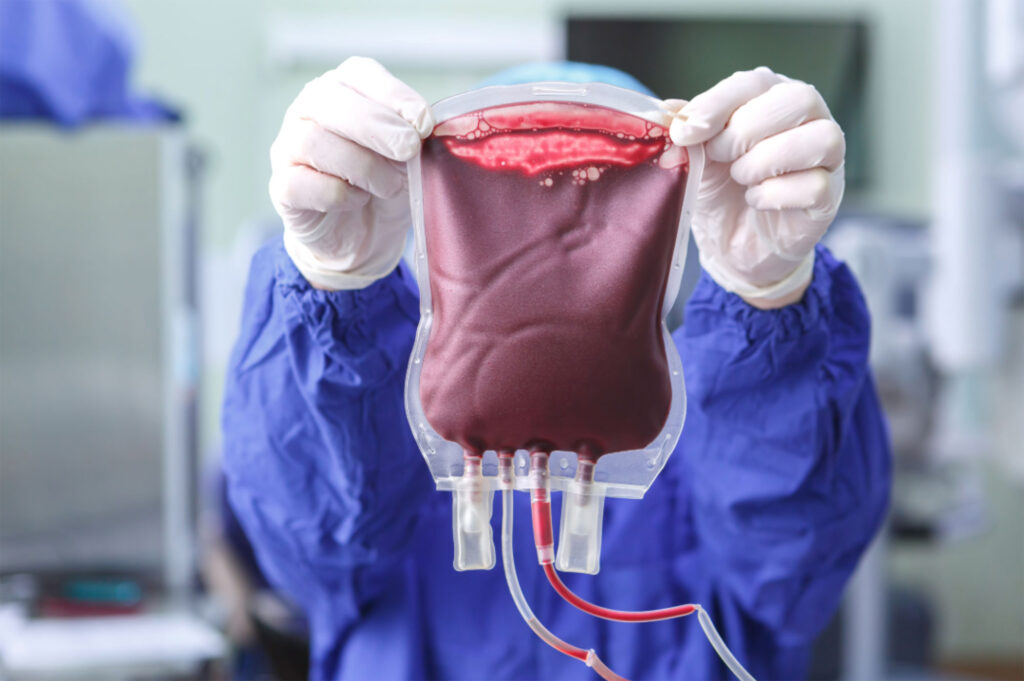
547,299
540,512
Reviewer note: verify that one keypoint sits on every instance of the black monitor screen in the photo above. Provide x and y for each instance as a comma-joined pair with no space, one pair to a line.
681,57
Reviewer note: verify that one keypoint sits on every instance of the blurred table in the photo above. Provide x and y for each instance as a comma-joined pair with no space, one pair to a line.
160,644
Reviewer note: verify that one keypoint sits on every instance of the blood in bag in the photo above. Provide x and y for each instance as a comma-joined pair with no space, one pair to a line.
550,235
551,223
550,229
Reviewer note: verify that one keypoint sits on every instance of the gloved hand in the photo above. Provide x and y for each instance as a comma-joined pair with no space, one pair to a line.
772,182
339,180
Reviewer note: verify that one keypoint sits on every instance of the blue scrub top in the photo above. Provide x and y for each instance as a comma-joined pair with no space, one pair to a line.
779,482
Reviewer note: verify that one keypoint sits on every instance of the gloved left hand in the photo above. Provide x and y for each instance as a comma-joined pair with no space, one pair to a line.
772,182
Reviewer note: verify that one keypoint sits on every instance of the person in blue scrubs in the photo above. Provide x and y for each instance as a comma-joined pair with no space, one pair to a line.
779,482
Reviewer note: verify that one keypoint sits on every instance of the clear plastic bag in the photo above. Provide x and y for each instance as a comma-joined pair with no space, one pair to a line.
551,225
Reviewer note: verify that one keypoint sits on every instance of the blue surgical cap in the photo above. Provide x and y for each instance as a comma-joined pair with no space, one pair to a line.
568,71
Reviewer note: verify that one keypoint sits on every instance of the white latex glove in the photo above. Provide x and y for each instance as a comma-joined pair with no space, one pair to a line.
771,185
339,180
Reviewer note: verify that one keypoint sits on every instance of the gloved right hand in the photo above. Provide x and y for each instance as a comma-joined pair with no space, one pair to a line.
338,178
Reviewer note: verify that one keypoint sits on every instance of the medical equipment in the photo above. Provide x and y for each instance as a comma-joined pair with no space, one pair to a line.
551,226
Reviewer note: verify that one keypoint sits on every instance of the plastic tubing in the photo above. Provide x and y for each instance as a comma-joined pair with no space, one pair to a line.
542,531
589,657
719,645
615,615
508,562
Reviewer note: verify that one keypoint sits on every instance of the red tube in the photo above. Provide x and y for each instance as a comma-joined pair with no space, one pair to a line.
614,615
542,533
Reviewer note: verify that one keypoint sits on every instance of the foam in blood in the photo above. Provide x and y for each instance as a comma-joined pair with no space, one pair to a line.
549,229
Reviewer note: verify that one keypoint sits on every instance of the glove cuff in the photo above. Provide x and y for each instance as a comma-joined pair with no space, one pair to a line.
321,275
793,281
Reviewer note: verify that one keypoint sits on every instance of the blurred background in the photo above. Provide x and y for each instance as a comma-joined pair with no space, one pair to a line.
134,141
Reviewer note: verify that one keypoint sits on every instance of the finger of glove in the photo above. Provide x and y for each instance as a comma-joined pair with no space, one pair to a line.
815,190
817,144
349,114
669,109
370,79
304,142
672,106
782,107
707,114
303,188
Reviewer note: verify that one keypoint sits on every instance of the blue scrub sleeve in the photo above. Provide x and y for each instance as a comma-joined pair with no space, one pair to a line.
786,454
322,469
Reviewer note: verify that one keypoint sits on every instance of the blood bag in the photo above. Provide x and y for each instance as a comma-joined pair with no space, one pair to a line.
551,226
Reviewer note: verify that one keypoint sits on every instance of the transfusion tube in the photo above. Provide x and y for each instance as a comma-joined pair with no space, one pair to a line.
541,508
719,645
615,615
589,657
